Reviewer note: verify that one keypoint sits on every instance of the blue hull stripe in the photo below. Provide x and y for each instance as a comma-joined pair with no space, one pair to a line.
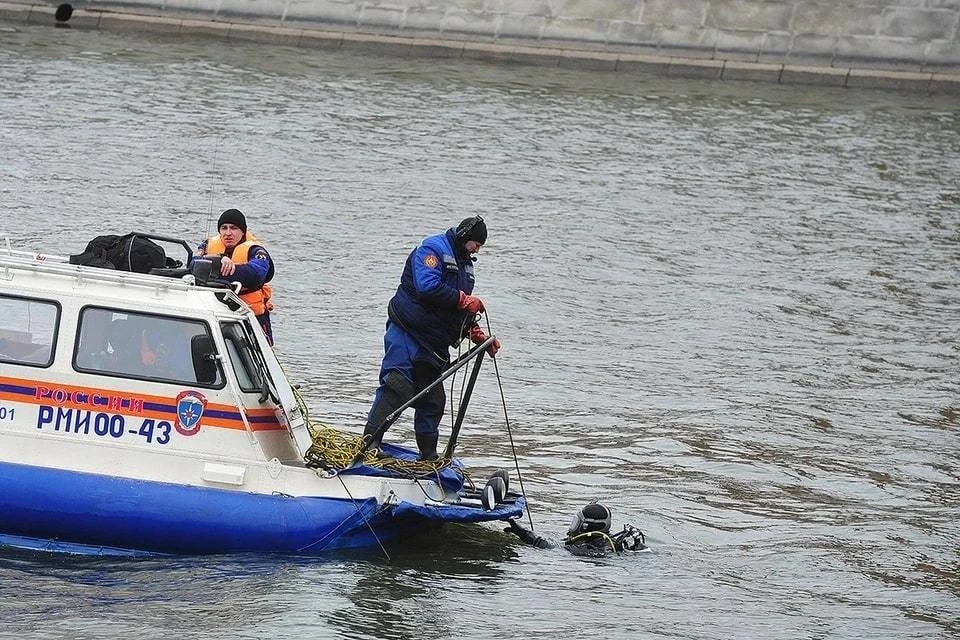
104,511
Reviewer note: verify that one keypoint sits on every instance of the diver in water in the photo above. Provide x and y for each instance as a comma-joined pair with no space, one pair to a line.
589,534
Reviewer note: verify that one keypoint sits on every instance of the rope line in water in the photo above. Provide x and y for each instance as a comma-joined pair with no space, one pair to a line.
506,420
366,521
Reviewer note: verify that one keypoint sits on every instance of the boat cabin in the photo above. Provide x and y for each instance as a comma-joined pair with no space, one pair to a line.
145,362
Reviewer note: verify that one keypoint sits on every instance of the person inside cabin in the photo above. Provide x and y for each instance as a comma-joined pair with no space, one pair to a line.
588,535
244,259
432,310
165,351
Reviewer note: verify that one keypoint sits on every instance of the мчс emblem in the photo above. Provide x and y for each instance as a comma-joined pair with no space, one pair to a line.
431,261
190,406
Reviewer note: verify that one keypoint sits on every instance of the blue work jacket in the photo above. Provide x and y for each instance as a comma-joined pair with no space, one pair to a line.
425,304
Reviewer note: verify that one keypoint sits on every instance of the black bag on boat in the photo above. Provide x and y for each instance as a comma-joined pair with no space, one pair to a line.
131,252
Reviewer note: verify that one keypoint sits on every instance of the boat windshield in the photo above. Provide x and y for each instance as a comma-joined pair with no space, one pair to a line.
241,357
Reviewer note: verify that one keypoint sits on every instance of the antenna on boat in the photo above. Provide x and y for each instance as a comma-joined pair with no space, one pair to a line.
213,174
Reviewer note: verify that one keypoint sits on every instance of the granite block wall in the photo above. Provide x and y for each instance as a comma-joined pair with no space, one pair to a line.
906,36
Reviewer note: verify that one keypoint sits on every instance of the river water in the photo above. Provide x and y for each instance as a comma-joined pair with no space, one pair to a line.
729,311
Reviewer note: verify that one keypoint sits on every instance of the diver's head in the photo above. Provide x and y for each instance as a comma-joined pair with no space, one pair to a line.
593,517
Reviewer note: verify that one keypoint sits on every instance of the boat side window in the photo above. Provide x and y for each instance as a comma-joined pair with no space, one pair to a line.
239,351
144,346
28,330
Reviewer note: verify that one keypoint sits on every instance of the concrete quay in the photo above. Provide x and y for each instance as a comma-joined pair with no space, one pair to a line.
902,45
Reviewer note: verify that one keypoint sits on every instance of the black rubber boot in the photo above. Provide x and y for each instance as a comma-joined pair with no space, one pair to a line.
368,433
427,443
396,390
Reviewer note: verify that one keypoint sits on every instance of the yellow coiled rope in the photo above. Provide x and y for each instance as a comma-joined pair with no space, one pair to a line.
334,450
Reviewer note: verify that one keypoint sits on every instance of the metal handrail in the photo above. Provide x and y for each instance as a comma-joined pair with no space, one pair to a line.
476,352
95,273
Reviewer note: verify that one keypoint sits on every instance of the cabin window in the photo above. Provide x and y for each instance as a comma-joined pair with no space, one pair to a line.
151,347
28,330
238,349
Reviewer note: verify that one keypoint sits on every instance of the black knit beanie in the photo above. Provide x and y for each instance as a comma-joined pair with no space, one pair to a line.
234,217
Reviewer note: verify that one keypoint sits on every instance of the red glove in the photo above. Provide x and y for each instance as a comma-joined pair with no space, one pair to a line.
477,336
473,304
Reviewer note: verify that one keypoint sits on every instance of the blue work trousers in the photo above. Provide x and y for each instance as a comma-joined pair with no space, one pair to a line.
403,354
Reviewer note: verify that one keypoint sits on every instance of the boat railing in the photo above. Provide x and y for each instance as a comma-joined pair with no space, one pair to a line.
8,250
11,259
40,263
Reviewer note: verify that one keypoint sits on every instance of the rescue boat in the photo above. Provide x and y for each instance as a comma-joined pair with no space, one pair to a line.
146,413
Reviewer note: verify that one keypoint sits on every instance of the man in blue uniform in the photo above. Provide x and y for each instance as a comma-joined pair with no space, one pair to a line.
433,309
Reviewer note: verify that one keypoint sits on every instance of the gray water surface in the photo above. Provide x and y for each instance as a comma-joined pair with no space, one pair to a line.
729,311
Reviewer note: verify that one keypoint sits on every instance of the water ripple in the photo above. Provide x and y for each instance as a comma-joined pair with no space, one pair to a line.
730,311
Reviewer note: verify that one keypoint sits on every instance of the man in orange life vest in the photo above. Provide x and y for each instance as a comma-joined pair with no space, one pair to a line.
244,260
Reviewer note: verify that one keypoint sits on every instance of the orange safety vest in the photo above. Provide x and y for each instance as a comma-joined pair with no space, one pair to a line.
259,300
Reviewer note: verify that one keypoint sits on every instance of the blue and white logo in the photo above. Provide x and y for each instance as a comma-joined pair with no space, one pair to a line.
190,406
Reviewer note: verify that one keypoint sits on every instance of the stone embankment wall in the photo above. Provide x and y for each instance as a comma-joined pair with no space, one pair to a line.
904,44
